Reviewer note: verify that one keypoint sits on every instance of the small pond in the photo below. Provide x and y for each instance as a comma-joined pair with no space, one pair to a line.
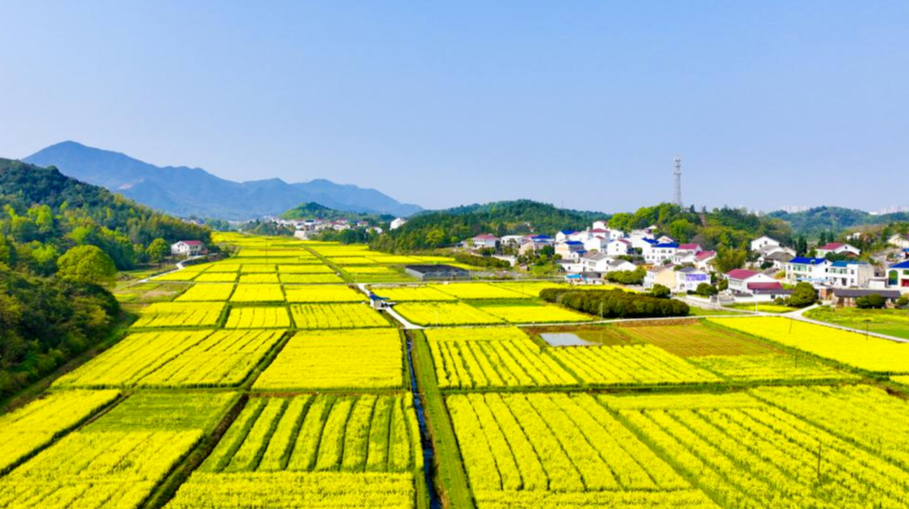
606,336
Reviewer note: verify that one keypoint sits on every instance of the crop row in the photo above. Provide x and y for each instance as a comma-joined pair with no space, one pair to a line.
756,457
289,490
31,427
321,433
181,314
117,460
176,359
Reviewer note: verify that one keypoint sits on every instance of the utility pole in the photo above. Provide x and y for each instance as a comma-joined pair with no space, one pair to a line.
677,174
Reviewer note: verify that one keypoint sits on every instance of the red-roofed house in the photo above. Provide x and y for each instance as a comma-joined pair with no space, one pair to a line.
703,259
484,241
187,248
690,247
838,248
740,279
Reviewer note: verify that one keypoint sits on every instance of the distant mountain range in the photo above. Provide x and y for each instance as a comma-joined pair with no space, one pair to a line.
187,191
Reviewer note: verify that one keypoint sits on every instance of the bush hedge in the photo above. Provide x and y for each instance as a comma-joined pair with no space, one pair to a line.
615,303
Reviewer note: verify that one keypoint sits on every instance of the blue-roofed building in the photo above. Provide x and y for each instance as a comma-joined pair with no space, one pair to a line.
898,276
570,249
808,270
563,235
850,274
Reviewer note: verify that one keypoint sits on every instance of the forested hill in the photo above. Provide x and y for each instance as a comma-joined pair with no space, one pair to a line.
719,228
712,229
44,211
834,219
313,210
443,228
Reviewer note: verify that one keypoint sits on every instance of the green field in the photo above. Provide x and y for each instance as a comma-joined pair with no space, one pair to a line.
892,322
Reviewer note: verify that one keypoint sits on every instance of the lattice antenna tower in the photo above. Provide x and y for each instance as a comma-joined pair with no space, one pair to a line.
677,174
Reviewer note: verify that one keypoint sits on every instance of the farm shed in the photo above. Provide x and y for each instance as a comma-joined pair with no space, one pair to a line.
436,272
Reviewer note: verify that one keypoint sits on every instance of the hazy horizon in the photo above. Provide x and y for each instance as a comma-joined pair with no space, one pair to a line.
581,105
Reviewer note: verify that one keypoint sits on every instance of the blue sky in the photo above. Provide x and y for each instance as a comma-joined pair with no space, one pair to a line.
581,104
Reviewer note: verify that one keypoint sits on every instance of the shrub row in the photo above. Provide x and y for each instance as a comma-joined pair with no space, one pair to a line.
615,303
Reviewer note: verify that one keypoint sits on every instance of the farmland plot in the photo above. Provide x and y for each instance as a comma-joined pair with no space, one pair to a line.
756,456
533,312
444,313
477,291
346,359
546,450
37,424
181,314
259,278
216,277
492,357
866,353
629,365
207,293
258,318
337,316
412,294
258,293
310,278
176,359
315,293
119,459
305,269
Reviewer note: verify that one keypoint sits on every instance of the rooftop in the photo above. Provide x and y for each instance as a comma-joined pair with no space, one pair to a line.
741,274
802,260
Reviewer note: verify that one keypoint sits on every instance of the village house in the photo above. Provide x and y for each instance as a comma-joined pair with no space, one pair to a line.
776,260
808,270
659,276
596,244
187,248
562,236
595,262
621,265
688,279
838,248
746,281
570,249
397,223
703,260
600,225
513,240
846,297
899,240
485,241
898,276
619,247
659,253
642,243
850,274
762,243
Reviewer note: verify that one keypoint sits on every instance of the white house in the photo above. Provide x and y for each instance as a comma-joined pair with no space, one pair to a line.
850,274
513,240
658,253
618,247
398,222
761,243
745,281
485,241
703,260
621,265
659,275
898,276
187,248
642,243
595,262
644,233
689,278
809,270
562,236
595,244
600,225
838,248
899,240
